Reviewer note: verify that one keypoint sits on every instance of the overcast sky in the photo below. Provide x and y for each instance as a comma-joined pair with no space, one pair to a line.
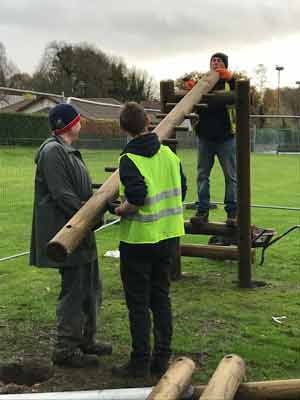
165,37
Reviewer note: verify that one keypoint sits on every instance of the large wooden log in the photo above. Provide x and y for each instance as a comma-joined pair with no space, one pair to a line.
69,237
226,379
212,251
175,381
264,390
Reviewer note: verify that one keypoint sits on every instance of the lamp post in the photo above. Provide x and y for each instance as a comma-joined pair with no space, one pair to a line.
279,69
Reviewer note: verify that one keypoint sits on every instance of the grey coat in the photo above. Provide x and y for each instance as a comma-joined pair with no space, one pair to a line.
62,183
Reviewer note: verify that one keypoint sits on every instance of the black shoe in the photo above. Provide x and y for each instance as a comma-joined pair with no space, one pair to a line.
231,219
74,359
98,349
159,366
131,370
202,217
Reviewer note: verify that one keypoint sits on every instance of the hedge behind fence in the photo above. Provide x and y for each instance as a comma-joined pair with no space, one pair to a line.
23,128
32,129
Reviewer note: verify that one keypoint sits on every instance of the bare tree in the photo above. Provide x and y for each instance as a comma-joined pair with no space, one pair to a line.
261,77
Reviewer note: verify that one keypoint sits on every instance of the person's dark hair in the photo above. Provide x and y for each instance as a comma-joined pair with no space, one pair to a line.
224,58
133,118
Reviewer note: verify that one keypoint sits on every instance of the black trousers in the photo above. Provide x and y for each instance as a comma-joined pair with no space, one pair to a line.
78,303
145,272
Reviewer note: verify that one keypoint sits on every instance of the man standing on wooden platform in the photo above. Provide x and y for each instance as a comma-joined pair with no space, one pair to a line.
216,137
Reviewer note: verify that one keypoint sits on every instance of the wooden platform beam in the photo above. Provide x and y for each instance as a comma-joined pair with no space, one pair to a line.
212,251
211,228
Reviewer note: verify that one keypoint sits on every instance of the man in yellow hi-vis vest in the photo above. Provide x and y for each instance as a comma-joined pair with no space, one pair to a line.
216,137
152,187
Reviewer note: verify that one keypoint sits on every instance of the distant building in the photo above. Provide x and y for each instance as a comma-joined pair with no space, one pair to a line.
108,109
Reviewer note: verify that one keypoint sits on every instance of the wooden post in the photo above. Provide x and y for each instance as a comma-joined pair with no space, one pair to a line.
69,237
175,381
167,93
243,182
226,379
265,390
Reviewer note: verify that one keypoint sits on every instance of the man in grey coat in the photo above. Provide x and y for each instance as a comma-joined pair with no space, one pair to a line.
62,186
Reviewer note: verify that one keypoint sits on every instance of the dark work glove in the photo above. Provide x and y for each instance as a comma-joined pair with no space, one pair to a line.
112,205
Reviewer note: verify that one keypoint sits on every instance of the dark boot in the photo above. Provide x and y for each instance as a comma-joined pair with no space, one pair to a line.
159,365
132,369
99,349
74,359
231,219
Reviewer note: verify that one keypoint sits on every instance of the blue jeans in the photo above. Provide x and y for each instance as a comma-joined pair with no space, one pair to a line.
226,153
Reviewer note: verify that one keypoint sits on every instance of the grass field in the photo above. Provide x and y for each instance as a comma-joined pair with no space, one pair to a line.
212,316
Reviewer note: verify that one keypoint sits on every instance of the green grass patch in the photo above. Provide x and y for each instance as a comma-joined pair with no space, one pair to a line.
212,316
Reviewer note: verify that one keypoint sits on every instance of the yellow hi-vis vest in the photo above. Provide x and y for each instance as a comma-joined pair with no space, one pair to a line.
161,217
231,112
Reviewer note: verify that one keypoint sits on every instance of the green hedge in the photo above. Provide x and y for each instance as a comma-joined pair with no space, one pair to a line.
22,128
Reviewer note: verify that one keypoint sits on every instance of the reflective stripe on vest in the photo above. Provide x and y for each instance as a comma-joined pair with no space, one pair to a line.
231,112
161,217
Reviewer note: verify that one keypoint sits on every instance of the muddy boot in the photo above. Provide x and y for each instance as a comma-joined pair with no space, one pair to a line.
74,359
132,369
98,349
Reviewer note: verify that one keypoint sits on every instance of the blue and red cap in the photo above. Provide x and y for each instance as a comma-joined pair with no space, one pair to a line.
62,118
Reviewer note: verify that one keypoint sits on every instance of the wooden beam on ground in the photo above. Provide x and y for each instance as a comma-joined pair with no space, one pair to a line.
243,181
226,379
265,390
212,251
175,381
69,237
